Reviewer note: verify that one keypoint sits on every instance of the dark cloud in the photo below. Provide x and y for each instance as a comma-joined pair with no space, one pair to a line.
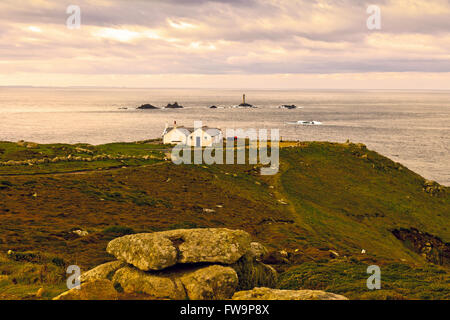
234,36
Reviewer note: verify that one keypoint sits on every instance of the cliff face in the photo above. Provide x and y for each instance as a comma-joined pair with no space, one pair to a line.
432,248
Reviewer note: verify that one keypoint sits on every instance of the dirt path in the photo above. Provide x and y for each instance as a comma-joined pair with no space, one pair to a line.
281,194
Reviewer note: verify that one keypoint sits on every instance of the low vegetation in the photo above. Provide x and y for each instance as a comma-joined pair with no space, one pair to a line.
332,208
348,277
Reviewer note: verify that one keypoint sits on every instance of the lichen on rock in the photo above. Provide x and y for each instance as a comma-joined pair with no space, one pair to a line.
160,250
275,294
91,290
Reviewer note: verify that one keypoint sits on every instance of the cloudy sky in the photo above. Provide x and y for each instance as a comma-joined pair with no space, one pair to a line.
228,43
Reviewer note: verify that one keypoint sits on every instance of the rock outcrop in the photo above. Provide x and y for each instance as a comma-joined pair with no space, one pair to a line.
195,283
147,251
210,283
160,250
274,294
156,286
196,264
91,290
103,271
433,188
432,248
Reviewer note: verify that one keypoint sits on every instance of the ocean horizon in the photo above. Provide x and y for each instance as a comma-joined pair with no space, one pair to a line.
408,126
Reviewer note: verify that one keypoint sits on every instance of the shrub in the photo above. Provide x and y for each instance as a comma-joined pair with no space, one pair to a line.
6,183
184,225
118,230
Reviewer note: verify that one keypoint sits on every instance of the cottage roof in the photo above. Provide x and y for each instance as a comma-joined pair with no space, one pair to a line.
213,132
184,130
188,130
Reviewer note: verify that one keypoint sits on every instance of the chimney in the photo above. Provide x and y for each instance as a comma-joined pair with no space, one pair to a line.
243,99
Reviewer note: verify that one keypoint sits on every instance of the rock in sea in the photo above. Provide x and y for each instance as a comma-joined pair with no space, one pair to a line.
286,106
173,106
147,107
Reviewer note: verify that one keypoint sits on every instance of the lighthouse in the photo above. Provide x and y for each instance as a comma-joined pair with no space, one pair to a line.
245,104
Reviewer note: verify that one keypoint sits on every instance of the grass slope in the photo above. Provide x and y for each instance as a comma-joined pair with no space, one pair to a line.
352,198
326,196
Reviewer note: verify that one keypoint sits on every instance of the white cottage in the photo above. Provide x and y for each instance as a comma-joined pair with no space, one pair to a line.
205,137
195,137
175,135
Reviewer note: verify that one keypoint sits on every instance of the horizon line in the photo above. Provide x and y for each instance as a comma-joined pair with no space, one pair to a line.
215,88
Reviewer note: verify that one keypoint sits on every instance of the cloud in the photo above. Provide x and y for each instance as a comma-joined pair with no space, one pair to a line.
224,37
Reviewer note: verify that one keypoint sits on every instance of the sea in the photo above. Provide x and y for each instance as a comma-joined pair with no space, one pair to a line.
410,127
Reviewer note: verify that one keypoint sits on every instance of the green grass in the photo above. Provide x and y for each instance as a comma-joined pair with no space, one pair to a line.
20,152
23,274
349,202
348,277
130,148
121,194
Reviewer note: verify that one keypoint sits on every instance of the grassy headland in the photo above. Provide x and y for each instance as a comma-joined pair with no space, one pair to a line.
328,203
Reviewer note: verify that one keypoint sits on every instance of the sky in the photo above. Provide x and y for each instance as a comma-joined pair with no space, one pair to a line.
311,44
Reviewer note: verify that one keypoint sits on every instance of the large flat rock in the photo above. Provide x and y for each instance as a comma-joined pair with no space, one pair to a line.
160,250
156,286
210,283
91,290
195,283
274,294
103,271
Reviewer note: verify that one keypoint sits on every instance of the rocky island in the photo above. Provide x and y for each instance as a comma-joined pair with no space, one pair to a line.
286,106
173,106
147,107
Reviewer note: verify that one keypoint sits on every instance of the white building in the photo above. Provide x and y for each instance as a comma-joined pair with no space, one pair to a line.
175,135
205,137
194,137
